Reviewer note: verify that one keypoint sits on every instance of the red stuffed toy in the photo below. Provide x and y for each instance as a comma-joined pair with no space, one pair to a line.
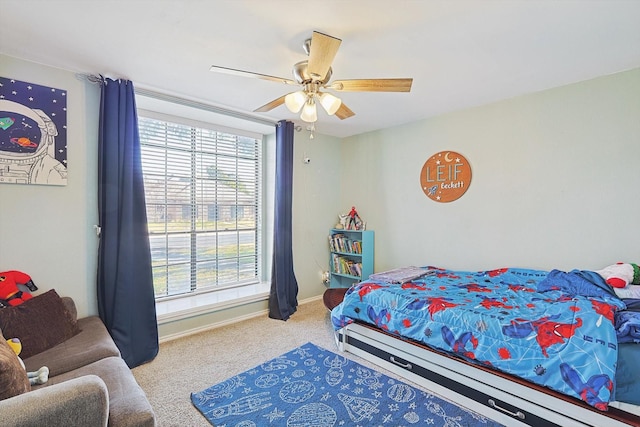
621,274
10,294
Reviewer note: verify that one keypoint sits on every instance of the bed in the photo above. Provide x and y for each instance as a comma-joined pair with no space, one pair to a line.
532,347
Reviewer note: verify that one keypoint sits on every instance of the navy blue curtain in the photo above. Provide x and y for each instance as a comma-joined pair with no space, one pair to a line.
126,301
283,300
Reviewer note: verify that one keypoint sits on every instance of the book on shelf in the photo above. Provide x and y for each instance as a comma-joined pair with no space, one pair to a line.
341,243
342,265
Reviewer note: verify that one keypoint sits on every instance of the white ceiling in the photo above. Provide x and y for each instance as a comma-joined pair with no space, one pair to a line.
460,53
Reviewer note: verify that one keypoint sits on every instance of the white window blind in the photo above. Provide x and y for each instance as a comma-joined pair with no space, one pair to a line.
202,189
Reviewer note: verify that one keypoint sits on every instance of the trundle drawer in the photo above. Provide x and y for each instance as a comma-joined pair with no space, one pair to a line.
487,400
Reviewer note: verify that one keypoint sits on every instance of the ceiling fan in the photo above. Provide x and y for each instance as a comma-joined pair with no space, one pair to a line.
313,75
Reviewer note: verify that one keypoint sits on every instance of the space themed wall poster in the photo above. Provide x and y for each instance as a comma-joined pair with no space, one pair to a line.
33,133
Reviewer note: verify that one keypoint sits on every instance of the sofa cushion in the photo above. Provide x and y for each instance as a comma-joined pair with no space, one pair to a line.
79,402
13,377
40,323
128,404
90,345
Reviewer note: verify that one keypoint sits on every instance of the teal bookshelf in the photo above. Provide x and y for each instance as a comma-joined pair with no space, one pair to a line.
351,256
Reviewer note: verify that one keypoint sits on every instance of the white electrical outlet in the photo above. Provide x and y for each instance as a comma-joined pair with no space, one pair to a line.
326,277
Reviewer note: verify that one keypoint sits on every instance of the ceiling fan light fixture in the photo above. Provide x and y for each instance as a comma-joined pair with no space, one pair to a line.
295,100
330,103
313,75
309,113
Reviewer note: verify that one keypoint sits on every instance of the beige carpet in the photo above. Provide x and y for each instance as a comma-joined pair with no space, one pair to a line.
196,362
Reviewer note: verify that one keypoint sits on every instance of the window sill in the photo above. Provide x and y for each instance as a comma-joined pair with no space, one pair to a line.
193,305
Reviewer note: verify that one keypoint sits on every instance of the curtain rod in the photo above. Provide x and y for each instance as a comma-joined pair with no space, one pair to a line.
186,102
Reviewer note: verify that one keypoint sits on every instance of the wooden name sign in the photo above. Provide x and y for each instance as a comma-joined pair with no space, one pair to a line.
445,176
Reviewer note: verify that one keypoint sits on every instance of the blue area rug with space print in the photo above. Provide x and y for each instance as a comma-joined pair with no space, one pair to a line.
311,386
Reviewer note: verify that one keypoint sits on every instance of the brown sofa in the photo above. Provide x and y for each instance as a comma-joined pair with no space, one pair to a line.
89,384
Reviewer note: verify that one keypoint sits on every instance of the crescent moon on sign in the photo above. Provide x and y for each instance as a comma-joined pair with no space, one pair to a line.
446,157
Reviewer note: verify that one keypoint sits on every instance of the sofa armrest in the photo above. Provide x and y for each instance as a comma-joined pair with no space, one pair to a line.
79,402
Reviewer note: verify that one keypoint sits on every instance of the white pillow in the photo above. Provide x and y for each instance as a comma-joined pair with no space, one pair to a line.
629,291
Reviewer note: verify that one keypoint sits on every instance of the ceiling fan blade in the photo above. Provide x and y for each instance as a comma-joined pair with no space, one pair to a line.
242,73
344,112
321,54
270,105
372,85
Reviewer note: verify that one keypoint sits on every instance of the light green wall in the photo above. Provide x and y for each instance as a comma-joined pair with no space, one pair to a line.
555,178
316,196
47,231
554,184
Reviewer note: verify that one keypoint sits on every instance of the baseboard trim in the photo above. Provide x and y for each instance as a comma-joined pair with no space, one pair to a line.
227,322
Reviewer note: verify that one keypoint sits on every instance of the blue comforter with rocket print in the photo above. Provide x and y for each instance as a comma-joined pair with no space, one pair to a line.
552,328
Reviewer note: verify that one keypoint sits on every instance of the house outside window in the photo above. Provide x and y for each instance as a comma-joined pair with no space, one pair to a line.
203,196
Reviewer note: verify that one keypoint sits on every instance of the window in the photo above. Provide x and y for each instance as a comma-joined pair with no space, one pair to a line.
202,189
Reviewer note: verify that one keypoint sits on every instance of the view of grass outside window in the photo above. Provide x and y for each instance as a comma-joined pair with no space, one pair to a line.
202,194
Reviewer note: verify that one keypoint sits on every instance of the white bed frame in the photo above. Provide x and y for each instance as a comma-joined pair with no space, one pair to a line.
498,396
